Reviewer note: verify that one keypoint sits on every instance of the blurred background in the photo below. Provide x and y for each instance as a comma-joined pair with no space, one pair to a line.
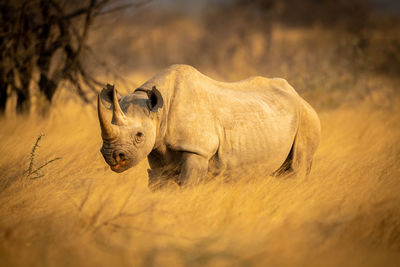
326,49
61,205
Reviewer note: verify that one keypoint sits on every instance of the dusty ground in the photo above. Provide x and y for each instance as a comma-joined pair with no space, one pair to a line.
346,213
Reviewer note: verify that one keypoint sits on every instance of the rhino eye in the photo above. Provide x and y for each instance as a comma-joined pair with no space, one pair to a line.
139,137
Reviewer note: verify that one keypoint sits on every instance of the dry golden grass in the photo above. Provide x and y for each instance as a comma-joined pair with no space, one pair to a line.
346,213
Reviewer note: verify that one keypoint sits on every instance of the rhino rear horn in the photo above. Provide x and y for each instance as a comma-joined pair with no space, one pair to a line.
107,95
119,117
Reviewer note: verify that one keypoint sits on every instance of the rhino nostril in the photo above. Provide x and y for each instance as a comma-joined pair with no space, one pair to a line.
119,156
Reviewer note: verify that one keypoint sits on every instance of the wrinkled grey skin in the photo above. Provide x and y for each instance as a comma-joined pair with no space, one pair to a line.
191,127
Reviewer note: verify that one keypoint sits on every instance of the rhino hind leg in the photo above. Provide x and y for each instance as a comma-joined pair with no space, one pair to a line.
300,158
305,145
296,163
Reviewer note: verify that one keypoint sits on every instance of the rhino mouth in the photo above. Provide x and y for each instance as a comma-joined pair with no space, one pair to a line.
120,167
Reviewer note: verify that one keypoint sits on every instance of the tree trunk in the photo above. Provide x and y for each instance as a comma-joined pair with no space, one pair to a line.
23,102
3,97
47,86
23,94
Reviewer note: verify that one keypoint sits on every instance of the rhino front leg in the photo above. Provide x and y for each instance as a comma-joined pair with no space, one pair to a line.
193,169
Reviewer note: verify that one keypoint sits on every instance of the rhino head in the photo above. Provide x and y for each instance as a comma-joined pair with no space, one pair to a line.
131,134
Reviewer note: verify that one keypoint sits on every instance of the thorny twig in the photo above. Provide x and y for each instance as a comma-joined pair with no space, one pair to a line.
32,157
32,171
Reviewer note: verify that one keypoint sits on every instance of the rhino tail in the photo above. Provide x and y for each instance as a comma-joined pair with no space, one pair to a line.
286,167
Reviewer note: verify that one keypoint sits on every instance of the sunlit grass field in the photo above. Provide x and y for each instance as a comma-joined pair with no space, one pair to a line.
80,213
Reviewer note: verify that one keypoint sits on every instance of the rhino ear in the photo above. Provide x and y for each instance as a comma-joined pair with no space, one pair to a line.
155,99
106,96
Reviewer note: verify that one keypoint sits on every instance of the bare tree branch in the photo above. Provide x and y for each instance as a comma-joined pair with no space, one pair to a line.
35,31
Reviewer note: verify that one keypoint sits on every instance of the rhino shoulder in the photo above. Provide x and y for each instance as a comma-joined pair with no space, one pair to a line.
182,69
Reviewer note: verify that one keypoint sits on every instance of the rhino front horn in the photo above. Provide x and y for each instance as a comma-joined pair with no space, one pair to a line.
108,131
